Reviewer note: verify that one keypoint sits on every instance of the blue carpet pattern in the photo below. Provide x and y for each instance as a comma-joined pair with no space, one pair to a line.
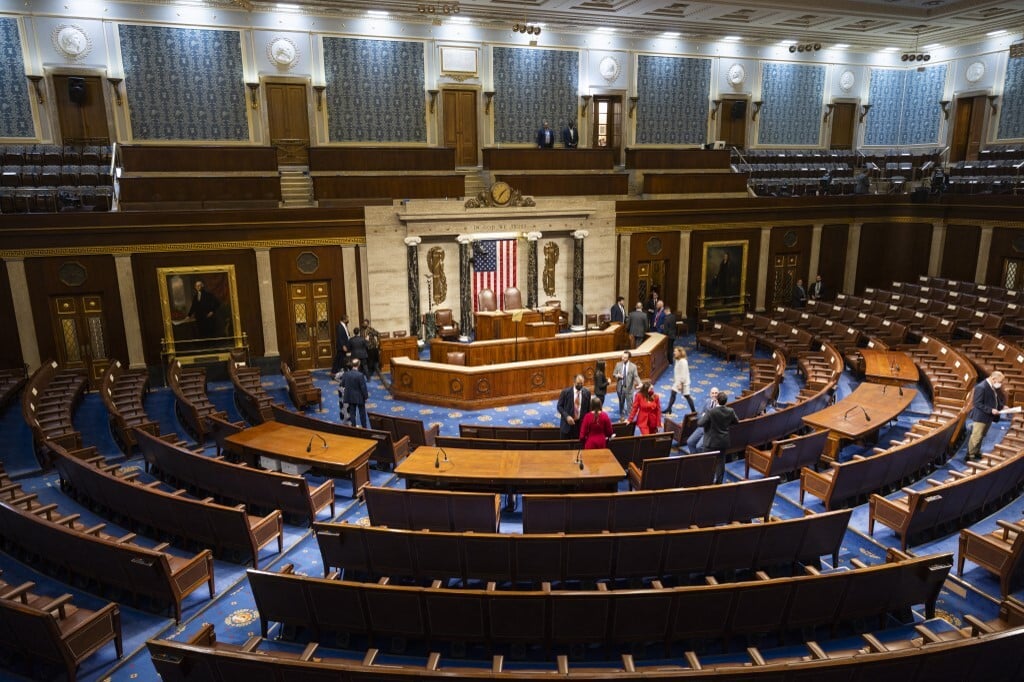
233,612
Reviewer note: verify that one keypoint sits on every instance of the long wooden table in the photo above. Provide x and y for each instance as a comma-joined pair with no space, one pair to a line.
888,367
512,471
863,412
336,456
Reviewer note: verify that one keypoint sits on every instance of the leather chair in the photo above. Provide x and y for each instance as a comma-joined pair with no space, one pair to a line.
513,299
563,316
456,358
486,301
447,327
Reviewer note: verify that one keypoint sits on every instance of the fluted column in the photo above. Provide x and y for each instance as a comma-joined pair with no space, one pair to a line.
412,257
465,289
130,311
852,256
531,269
577,277
265,276
23,312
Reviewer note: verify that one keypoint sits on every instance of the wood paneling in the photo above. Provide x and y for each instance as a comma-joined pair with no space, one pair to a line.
647,157
81,122
199,191
1002,248
892,252
790,240
137,158
520,158
10,344
381,158
529,349
960,252
694,269
832,258
284,266
434,186
144,267
733,129
288,120
843,125
694,183
651,248
44,283
459,109
572,184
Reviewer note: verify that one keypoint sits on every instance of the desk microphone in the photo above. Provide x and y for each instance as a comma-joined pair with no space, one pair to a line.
847,413
322,440
309,445
443,452
867,417
437,458
579,457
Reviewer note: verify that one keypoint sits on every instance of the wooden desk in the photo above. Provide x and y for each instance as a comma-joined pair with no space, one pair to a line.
400,347
847,420
541,330
512,471
888,367
498,324
344,457
528,347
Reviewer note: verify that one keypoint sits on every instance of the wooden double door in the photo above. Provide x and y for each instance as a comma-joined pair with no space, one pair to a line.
288,121
459,120
80,333
309,311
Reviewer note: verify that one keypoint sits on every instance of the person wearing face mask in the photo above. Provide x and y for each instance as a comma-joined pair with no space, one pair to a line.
987,402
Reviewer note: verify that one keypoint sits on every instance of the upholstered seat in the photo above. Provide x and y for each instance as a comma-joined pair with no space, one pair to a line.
447,327
486,301
513,299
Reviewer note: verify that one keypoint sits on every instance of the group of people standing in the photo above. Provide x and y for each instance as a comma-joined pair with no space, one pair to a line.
546,136
356,359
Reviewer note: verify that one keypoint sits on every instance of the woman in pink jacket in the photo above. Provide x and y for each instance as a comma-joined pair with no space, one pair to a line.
646,409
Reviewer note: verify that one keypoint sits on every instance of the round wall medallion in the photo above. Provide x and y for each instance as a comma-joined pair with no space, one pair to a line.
455,387
789,239
72,274
483,386
846,80
307,262
71,41
974,72
654,246
537,380
609,68
736,74
283,52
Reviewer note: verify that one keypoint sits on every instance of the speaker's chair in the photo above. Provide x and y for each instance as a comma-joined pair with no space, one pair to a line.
486,301
513,299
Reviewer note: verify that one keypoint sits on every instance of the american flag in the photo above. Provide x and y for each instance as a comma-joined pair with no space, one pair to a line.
494,267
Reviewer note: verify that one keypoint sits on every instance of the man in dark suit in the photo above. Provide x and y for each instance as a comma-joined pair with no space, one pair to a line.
668,328
573,403
360,351
799,294
987,403
571,136
341,345
637,324
817,289
716,423
545,137
354,392
618,311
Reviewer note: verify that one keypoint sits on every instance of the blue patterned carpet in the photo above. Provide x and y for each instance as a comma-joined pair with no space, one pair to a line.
233,612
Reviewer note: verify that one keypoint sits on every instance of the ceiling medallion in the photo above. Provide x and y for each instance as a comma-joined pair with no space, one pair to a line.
736,74
846,80
974,72
71,41
283,53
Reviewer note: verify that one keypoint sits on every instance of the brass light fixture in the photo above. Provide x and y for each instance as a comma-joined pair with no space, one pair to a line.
757,109
632,105
115,84
714,110
438,8
319,90
254,89
488,97
993,101
433,98
945,108
37,84
864,109
828,111
586,103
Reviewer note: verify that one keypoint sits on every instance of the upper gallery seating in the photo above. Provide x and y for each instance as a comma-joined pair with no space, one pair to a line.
48,178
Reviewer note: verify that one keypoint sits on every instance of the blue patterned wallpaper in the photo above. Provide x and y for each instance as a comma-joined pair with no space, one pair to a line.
15,110
673,105
184,83
792,111
1011,113
375,90
905,106
532,86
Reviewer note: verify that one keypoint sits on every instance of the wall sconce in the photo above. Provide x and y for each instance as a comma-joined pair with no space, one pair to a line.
632,105
586,103
757,109
115,84
828,111
433,98
529,29
36,83
993,101
714,110
945,108
438,8
864,109
488,98
319,90
254,88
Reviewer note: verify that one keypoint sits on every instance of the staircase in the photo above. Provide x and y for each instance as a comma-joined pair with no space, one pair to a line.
296,187
475,181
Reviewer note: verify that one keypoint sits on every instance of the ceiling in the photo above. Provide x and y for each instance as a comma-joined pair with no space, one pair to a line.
862,24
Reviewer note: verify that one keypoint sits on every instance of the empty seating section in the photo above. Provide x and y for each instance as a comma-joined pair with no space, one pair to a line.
236,482
301,389
45,178
228,530
53,629
649,509
251,398
436,510
388,452
785,172
400,427
999,552
787,455
613,618
621,429
191,404
663,473
46,404
122,392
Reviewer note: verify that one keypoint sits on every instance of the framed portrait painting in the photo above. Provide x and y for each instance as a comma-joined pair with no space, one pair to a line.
724,275
199,307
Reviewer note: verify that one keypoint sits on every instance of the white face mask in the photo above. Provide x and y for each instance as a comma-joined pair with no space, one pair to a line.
997,385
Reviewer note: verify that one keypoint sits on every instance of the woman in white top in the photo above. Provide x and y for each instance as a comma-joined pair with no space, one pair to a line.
680,379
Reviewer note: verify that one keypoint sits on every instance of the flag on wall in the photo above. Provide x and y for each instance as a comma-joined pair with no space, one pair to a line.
494,267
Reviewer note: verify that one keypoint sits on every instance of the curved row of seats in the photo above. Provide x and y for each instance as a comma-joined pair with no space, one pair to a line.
50,395
251,398
122,391
191,403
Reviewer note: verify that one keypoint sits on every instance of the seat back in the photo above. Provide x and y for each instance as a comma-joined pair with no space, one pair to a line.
486,301
513,299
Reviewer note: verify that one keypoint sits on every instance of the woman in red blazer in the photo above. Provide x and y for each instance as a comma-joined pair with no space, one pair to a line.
646,410
596,427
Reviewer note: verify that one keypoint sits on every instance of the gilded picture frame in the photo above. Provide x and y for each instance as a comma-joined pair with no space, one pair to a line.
205,324
724,275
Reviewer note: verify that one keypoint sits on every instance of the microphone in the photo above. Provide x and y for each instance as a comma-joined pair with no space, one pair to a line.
437,458
847,413
443,452
322,440
309,445
579,457
867,417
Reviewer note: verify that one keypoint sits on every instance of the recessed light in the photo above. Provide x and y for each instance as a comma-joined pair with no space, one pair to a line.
996,33
376,13
732,39
287,7
840,46
890,49
786,43
933,46
670,34
459,20
604,29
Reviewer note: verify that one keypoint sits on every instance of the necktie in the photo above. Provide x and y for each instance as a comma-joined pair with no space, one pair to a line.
576,406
